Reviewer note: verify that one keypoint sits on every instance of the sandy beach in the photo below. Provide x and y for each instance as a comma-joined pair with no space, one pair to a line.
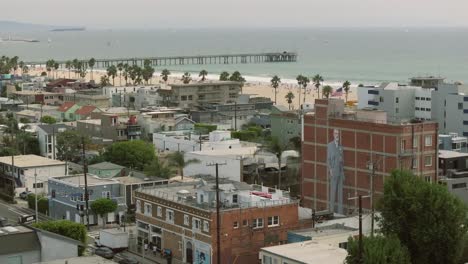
253,87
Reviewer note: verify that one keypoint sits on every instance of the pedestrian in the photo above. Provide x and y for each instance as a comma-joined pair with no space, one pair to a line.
155,249
146,246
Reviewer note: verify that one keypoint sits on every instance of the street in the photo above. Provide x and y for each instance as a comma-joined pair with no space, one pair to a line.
13,211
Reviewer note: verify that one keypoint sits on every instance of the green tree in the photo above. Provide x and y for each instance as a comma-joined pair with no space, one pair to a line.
120,68
91,64
276,147
224,76
300,82
27,142
56,67
24,120
165,75
66,228
48,120
327,90
186,78
203,74
131,154
69,145
275,82
289,98
159,169
69,66
177,159
126,69
49,66
346,87
102,207
112,73
317,80
237,77
378,250
42,203
105,81
135,74
147,73
426,218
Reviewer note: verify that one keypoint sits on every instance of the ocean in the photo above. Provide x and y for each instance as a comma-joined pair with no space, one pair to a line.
367,56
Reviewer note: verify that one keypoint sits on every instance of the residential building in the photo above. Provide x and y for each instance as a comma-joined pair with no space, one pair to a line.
110,126
30,172
453,142
24,244
308,252
363,147
85,111
67,110
450,108
44,110
137,180
201,93
106,170
182,217
30,97
47,137
285,123
30,115
164,120
67,194
8,104
453,173
86,97
427,81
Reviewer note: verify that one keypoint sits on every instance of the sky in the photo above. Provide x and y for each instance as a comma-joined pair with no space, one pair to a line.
238,13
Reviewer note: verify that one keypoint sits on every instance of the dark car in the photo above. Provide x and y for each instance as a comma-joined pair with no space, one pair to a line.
126,259
104,252
24,195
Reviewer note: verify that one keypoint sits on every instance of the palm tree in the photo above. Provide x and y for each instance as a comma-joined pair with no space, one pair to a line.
147,73
177,159
76,66
91,64
104,81
275,81
317,79
327,91
68,65
203,75
300,80
277,148
56,67
224,76
25,69
120,68
126,71
305,82
49,65
165,75
346,86
289,97
186,78
21,65
111,72
237,77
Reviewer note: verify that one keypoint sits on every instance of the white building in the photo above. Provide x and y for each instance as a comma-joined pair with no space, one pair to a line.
24,169
47,137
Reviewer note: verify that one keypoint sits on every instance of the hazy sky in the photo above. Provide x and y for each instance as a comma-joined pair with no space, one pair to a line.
239,13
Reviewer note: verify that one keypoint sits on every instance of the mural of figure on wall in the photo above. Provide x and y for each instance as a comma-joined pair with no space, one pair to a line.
335,163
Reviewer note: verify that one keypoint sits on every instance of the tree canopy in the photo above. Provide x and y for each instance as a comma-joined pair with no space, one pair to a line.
69,145
378,250
177,159
48,120
131,154
65,228
158,168
426,218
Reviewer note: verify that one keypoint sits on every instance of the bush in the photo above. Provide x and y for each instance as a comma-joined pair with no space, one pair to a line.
66,228
205,128
42,203
244,135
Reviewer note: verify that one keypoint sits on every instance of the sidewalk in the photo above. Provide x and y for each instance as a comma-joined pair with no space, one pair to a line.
150,257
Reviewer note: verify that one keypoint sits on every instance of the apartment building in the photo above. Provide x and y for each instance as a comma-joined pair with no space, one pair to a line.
182,217
347,153
47,137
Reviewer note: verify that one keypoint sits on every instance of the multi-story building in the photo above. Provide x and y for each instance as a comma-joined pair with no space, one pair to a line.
285,123
47,137
350,153
453,142
86,97
200,93
30,172
182,217
67,194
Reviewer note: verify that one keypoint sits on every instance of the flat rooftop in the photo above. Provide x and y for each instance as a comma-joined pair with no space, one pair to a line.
205,83
79,180
90,121
448,154
27,161
127,180
309,252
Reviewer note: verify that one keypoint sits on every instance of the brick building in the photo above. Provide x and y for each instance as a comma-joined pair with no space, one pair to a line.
365,140
182,217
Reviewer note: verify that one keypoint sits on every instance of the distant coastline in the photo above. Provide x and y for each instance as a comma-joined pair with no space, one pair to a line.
10,39
68,29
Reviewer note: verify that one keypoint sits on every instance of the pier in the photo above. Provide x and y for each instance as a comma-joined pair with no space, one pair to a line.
268,57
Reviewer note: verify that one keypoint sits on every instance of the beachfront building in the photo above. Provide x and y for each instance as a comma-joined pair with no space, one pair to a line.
19,171
86,97
354,144
201,93
182,217
67,194
47,137
285,124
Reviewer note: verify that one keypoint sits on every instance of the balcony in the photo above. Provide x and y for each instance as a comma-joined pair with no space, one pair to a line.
407,152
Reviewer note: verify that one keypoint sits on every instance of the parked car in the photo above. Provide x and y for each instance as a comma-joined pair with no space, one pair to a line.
122,259
104,252
24,195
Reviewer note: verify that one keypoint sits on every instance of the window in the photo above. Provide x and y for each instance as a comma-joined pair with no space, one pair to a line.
273,221
396,110
417,108
428,141
39,185
206,226
183,98
245,222
170,216
428,109
427,178
459,185
417,98
381,99
106,194
190,97
415,141
403,144
196,224
257,223
138,206
397,100
415,163
428,99
159,211
235,225
428,161
234,198
423,98
460,106
186,220
148,209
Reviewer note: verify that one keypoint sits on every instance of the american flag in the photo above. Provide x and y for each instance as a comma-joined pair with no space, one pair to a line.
338,92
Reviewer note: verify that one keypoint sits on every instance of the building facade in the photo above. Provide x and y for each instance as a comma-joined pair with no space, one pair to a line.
200,93
285,124
182,218
47,137
350,153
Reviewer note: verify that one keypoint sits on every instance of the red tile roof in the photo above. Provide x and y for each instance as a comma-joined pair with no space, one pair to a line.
85,110
65,106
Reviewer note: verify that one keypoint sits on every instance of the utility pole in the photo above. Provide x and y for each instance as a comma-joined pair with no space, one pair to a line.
235,116
85,170
35,195
361,246
218,219
313,218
